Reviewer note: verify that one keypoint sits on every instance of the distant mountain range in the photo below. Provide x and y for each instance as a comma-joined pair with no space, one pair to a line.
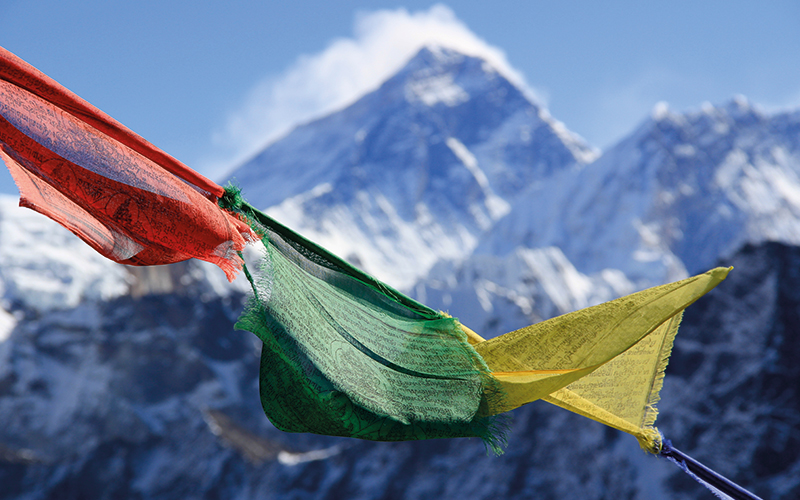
416,171
448,170
453,185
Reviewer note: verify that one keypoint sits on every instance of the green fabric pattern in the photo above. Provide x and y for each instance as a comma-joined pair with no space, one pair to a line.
344,354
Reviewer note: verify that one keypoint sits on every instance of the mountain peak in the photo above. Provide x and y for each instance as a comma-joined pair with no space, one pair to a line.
660,111
740,109
434,58
416,170
738,104
433,55
683,189
710,121
438,75
737,109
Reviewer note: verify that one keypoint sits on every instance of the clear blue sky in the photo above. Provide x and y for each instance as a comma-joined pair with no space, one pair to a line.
184,73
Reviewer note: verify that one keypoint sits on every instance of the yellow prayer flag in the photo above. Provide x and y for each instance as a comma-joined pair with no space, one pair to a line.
604,362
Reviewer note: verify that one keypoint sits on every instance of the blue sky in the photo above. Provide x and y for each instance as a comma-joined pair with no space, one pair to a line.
210,82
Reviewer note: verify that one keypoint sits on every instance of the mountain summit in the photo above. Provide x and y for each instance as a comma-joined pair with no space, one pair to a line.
415,171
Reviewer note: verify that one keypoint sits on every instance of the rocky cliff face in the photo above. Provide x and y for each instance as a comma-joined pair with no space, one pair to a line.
733,386
157,397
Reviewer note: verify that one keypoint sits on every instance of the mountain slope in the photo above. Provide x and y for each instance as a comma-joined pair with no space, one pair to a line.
415,171
498,294
157,397
43,266
672,197
733,387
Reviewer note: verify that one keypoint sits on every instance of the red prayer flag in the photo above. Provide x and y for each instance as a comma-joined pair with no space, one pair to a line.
126,198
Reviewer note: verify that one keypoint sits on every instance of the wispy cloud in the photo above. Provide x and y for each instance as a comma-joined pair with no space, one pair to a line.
338,75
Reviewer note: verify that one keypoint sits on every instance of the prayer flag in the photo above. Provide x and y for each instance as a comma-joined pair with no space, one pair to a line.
343,353
604,362
362,360
129,200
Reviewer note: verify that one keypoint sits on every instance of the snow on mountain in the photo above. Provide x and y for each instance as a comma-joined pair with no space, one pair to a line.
670,198
7,324
415,171
43,266
447,161
493,294
680,192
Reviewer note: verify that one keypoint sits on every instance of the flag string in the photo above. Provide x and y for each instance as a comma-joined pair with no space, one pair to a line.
721,486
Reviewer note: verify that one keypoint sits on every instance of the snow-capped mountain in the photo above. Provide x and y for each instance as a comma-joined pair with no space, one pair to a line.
415,171
669,200
43,266
678,193
449,182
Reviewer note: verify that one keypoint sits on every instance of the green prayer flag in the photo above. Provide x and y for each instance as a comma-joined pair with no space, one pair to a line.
346,355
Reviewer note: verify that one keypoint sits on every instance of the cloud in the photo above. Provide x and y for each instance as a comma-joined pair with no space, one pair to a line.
344,71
